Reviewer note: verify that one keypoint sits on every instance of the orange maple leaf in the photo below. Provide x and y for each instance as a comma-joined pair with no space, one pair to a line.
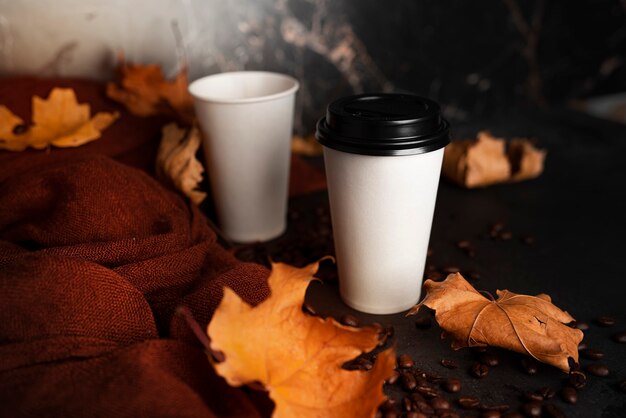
526,324
58,120
295,356
144,91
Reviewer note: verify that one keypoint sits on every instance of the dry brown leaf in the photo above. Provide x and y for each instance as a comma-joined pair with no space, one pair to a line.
306,146
527,324
295,356
58,120
144,91
176,161
488,160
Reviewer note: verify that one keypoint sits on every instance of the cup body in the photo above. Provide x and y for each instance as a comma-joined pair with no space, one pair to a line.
382,210
246,118
383,155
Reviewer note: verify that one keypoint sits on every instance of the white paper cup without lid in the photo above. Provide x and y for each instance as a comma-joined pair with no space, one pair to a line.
383,155
246,118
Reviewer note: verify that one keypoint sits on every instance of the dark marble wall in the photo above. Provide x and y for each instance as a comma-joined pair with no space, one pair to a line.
475,58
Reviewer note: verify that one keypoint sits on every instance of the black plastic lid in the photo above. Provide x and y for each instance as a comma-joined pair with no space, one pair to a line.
383,124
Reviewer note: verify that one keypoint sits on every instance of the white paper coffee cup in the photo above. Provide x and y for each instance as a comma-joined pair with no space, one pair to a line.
246,118
383,155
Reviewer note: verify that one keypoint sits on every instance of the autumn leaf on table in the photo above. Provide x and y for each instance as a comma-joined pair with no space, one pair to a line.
58,120
145,91
527,324
295,356
176,161
306,146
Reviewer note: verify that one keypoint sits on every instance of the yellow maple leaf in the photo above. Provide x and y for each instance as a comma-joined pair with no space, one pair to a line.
295,356
58,120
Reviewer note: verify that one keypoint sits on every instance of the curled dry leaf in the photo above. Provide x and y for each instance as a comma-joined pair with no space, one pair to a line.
295,356
488,160
527,324
306,146
144,91
176,161
58,120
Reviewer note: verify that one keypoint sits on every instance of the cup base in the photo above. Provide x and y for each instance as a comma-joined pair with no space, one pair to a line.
378,310
249,238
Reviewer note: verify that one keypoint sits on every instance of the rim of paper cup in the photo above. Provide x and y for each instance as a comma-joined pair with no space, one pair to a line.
295,85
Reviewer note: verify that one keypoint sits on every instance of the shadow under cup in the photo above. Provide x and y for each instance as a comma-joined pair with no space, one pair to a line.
246,118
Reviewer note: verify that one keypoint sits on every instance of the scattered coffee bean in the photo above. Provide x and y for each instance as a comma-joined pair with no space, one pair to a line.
592,354
605,321
408,381
622,385
577,380
349,320
479,370
393,378
463,244
450,269
530,366
479,350
468,402
452,385
309,309
581,325
434,377
447,414
415,414
449,364
512,414
547,392
424,407
528,239
390,331
600,370
391,414
619,337
439,403
435,276
474,275
407,404
361,363
429,253
423,322
569,394
583,345
553,411
497,226
533,397
500,407
218,356
532,409
405,361
427,391
506,235
489,359
491,414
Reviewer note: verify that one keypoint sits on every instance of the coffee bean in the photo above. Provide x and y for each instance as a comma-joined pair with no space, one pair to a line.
452,385
349,320
553,411
439,403
450,364
528,239
600,370
429,252
474,275
462,244
405,361
309,309
361,363
533,396
425,407
497,226
605,321
393,378
577,380
569,394
423,322
407,404
619,337
489,359
479,350
491,414
532,409
218,356
434,377
581,325
500,408
479,370
622,385
447,414
427,391
391,414
435,276
415,414
506,235
408,381
512,414
592,354
530,366
547,392
583,345
468,402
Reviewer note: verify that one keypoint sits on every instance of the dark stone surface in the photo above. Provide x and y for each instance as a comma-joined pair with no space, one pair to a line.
575,212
